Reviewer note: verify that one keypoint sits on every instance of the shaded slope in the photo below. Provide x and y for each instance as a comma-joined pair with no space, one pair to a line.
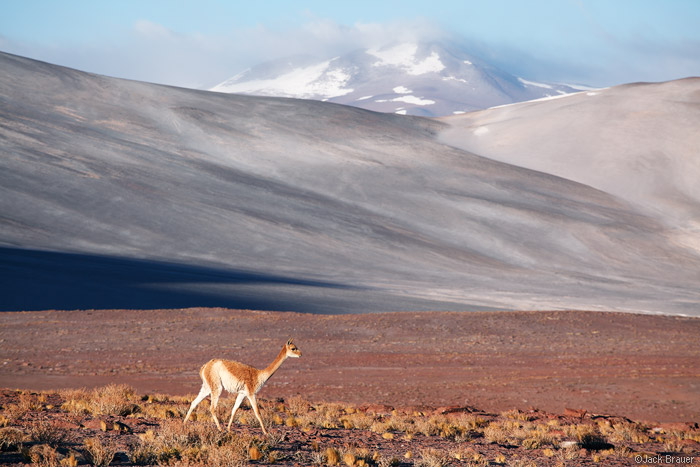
311,191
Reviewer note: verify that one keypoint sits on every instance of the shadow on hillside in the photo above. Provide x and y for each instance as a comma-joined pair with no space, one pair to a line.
41,280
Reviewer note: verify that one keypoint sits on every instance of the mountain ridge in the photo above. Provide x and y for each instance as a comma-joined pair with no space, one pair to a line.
308,192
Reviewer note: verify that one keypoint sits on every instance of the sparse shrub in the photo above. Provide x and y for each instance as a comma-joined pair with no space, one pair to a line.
228,455
536,436
45,432
275,438
379,427
76,401
388,462
10,439
432,458
516,415
143,454
402,423
349,458
622,451
13,413
199,444
43,455
497,432
254,453
464,453
324,415
359,420
114,399
628,432
332,456
274,457
69,461
317,458
99,453
291,421
29,402
164,411
297,406
587,436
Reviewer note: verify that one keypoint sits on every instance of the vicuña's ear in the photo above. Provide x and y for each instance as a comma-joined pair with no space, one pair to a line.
290,341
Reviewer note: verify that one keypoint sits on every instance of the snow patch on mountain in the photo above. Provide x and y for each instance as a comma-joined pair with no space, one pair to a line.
533,83
409,100
311,82
428,78
404,56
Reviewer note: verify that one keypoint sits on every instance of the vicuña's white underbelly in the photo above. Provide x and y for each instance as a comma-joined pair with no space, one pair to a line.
230,382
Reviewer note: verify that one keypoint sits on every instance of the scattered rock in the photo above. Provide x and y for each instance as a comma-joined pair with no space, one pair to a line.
454,409
123,427
378,409
579,413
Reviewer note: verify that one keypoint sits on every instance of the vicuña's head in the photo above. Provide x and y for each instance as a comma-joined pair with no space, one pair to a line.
292,349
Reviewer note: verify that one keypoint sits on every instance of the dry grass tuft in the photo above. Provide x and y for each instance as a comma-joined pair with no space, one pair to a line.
43,455
99,453
13,413
624,432
46,432
199,444
114,399
76,401
331,456
432,458
11,439
587,436
297,406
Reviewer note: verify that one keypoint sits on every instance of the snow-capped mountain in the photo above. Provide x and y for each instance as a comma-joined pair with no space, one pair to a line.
429,79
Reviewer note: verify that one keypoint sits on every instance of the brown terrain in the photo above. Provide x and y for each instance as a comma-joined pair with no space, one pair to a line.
514,370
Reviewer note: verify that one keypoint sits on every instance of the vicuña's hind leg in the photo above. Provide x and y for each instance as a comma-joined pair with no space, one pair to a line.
203,393
239,400
215,393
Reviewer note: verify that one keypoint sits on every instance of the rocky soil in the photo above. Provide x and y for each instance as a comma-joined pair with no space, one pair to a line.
115,426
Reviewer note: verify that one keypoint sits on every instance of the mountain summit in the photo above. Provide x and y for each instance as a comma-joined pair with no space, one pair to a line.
428,79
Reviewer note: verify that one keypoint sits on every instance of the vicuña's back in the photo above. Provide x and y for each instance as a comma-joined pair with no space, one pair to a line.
236,377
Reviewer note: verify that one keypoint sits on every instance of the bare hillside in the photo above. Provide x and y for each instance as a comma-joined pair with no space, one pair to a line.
120,194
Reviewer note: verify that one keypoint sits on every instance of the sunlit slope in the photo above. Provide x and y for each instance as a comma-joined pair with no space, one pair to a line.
291,204
640,142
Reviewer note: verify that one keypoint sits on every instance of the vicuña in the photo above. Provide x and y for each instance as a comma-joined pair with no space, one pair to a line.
235,377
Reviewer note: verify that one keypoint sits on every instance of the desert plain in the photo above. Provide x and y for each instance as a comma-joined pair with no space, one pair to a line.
643,367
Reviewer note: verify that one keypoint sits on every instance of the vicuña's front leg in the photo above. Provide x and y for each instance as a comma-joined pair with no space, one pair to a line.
254,404
239,400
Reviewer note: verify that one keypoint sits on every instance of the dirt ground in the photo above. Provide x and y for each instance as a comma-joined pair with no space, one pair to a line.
643,367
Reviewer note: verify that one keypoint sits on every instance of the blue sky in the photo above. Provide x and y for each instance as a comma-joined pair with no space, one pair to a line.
200,43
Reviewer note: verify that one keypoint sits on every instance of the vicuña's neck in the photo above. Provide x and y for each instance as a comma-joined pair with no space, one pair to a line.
274,366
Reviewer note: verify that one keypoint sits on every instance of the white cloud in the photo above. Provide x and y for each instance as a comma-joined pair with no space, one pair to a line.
152,52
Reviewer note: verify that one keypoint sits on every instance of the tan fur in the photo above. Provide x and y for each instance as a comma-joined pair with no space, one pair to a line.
238,378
